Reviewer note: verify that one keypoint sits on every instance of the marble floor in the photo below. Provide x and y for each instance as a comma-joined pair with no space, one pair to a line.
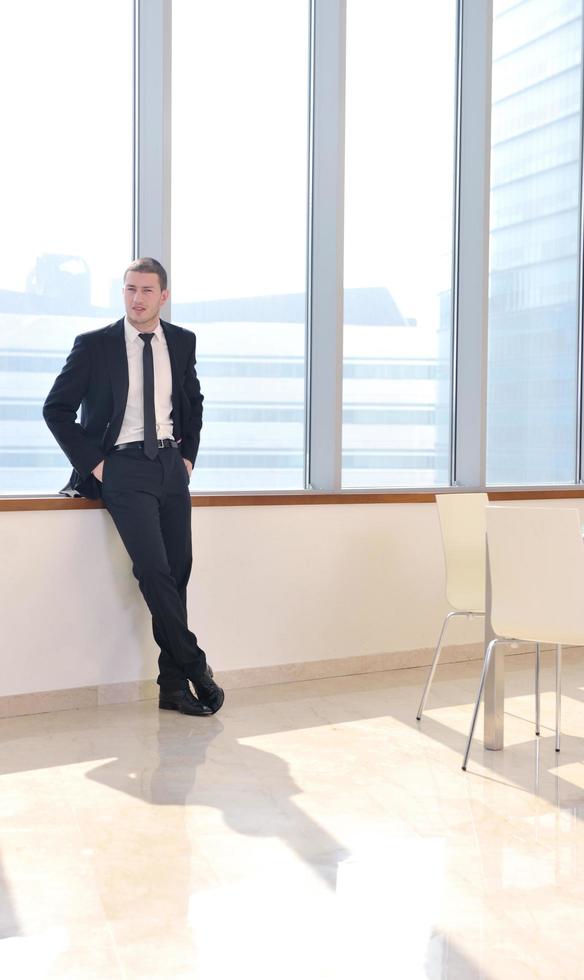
310,830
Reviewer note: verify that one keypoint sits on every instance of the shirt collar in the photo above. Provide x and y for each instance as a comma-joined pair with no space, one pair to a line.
132,334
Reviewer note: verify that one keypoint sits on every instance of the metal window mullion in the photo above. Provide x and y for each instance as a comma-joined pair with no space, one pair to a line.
153,129
455,252
326,229
579,473
308,301
472,274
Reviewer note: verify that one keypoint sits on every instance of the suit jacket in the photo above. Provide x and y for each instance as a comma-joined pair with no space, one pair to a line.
95,376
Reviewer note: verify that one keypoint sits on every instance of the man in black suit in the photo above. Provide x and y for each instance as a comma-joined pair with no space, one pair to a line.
135,446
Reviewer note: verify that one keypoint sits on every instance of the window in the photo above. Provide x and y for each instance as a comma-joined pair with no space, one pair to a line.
66,203
239,192
239,213
400,149
534,250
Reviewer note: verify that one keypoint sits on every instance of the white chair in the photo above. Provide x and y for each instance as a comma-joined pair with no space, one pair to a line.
536,560
463,527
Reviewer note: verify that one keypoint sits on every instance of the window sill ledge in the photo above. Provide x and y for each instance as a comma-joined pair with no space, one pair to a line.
308,497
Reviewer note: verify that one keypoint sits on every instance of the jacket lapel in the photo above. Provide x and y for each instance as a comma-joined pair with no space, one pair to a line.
176,388
117,360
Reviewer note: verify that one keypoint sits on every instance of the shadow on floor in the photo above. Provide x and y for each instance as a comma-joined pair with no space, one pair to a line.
169,761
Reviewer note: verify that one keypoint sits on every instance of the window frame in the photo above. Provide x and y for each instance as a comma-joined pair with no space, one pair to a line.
325,230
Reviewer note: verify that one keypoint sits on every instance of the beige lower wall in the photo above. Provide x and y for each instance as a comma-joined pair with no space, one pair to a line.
271,586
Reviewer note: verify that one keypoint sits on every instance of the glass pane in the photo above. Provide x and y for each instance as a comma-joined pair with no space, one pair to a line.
533,301
239,166
66,204
400,141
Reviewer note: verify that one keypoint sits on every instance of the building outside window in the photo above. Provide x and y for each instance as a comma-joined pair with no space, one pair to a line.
399,193
534,251
66,202
239,220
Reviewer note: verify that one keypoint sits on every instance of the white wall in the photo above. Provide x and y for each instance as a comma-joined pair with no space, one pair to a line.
270,585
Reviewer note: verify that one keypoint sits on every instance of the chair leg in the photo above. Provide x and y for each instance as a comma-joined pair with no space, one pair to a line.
435,660
486,663
537,666
558,695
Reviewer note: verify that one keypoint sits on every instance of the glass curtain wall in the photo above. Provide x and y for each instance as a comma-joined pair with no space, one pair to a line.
534,242
66,178
400,154
239,218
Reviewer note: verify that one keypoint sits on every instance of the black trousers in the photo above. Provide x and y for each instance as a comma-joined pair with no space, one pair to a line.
150,505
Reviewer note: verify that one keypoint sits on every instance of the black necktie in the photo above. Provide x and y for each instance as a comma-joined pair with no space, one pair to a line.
150,442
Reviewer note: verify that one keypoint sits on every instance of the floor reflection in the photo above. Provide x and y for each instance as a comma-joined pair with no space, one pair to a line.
310,830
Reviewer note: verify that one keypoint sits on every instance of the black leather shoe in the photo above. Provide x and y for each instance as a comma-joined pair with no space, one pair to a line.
184,701
208,692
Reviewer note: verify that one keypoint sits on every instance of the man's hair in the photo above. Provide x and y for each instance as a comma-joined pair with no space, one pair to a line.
149,265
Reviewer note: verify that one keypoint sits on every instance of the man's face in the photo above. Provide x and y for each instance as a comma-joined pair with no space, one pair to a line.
143,298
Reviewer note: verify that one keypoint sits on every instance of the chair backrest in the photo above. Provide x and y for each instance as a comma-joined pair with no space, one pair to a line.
536,559
463,526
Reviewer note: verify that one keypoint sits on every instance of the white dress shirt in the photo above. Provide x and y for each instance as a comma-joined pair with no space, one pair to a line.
133,425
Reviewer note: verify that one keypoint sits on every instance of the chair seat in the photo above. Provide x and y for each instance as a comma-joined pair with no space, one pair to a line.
567,639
